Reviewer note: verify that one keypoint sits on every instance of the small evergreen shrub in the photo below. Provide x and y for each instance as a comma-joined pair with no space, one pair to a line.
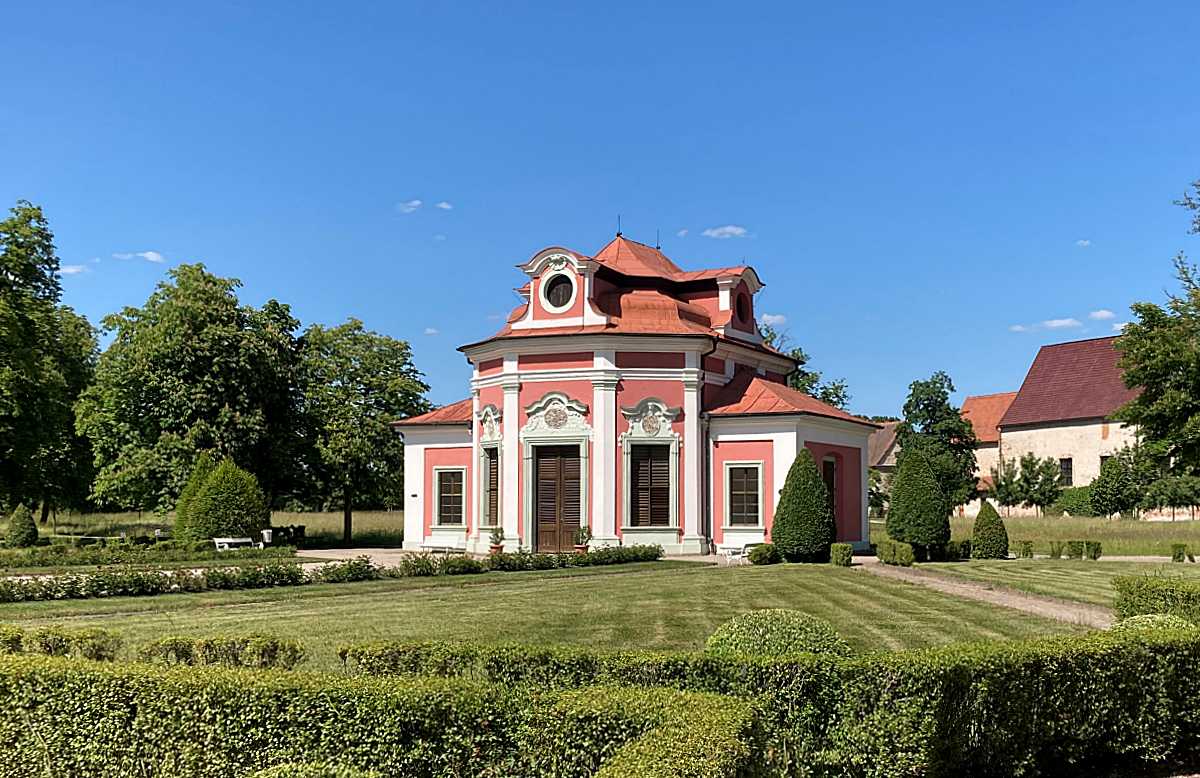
1026,549
230,504
1141,594
201,470
1149,622
989,538
1075,549
1056,549
1178,551
775,632
893,552
765,554
100,645
919,513
1092,549
841,554
905,556
804,525
22,530
256,651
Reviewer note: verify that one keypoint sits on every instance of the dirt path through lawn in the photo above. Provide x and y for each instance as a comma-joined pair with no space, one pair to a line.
1047,607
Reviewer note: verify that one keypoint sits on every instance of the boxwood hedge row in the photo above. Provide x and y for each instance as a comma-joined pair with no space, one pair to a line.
72,717
1054,705
1140,594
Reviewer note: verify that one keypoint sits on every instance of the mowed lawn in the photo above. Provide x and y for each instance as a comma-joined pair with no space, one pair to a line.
1079,580
1119,537
660,605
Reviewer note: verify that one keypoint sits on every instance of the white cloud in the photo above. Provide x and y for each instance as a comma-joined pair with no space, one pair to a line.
149,256
445,206
439,236
1061,324
70,270
408,206
1119,326
726,231
681,234
432,331
773,319
1018,328
1083,243
1103,314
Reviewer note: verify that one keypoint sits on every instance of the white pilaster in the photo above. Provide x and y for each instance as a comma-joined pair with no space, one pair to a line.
604,460
511,456
693,541
473,489
414,490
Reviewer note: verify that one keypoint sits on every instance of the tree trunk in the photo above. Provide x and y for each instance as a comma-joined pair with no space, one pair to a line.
346,517
45,512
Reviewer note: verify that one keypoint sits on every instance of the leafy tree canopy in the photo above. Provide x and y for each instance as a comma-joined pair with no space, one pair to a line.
937,429
805,379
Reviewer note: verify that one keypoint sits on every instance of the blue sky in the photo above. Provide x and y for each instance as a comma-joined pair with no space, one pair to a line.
912,181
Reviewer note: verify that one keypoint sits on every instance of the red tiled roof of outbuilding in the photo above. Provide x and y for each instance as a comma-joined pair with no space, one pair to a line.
1071,381
749,394
984,411
454,413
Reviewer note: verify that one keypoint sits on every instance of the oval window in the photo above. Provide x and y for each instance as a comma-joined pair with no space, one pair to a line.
558,291
743,308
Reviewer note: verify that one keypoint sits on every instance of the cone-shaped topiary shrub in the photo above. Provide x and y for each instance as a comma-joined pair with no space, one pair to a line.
803,527
989,539
22,531
919,514
775,632
201,470
230,504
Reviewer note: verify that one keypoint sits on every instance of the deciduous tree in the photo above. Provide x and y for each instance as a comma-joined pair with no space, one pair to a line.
935,427
805,379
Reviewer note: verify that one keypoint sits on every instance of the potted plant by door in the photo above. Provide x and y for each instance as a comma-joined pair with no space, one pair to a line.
583,536
497,540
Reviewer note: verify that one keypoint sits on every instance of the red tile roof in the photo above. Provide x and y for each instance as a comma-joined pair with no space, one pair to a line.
749,394
984,411
1069,381
630,258
454,413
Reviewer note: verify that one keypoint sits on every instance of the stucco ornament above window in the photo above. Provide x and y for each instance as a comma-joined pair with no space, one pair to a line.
489,421
556,414
650,418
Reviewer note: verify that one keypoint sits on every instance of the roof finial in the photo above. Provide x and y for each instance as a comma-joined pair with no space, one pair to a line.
618,225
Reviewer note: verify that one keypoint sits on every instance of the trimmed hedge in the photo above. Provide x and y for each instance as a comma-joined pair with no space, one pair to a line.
841,554
1139,594
1025,549
989,538
1051,705
111,721
314,770
775,632
83,643
257,651
765,554
129,553
229,504
1092,549
893,552
918,514
22,529
201,470
804,526
1178,551
1151,622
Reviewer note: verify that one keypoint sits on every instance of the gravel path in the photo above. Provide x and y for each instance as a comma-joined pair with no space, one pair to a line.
1047,607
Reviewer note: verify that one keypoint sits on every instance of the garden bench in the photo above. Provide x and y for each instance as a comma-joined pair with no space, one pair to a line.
739,553
225,544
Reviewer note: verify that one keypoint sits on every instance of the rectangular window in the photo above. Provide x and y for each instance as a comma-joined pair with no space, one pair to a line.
1066,472
491,487
1104,458
650,486
743,495
830,475
450,497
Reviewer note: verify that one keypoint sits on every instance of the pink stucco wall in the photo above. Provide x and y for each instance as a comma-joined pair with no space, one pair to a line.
649,359
575,359
540,313
741,451
491,366
447,457
849,487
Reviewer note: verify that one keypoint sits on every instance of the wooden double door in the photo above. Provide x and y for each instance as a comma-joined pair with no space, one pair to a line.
557,475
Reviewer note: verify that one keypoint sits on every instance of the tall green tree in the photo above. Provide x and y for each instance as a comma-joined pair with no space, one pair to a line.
804,525
919,513
193,370
1038,481
1160,356
1123,482
804,378
46,357
1006,484
938,430
356,383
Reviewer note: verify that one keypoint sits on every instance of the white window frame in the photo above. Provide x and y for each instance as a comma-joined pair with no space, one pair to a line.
728,465
483,449
544,284
437,496
642,434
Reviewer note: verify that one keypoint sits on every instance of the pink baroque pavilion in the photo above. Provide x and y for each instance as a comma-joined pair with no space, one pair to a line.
631,397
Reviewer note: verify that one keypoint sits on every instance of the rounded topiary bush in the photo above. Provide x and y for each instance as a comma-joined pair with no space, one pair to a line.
775,632
229,504
989,539
804,526
765,554
314,770
919,514
22,530
1148,622
201,470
